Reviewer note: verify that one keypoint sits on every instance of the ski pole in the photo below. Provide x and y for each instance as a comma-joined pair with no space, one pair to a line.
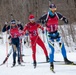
21,50
6,58
6,48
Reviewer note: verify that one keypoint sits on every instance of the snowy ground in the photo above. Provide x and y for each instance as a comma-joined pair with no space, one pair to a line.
42,69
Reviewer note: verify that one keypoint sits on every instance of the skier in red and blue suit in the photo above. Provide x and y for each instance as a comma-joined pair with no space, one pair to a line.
50,19
32,28
15,33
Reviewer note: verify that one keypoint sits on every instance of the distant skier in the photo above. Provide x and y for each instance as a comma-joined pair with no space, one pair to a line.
50,19
15,33
32,28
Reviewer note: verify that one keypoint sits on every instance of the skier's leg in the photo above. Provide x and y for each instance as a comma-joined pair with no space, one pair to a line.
51,54
51,45
33,45
40,43
63,51
21,51
19,58
18,49
14,54
61,45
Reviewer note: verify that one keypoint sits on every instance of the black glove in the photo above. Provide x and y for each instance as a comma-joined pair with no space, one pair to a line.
9,37
43,21
65,20
5,26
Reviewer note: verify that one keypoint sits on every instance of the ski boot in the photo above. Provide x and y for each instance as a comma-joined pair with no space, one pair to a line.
52,67
19,62
14,63
21,59
67,61
35,64
47,59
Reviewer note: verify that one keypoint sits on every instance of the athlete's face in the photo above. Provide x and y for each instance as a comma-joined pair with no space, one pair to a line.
32,20
53,9
13,24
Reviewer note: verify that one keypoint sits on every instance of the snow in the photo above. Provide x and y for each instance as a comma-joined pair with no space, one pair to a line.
42,69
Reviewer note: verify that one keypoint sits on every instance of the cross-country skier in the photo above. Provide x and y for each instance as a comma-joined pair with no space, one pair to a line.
32,28
51,21
15,33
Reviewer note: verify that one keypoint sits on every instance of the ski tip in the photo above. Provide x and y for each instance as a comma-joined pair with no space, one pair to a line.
35,66
53,71
1,64
17,65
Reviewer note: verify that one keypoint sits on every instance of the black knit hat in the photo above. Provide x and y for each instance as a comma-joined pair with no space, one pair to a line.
13,22
52,6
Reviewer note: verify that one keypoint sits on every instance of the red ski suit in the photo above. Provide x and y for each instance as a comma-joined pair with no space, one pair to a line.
35,39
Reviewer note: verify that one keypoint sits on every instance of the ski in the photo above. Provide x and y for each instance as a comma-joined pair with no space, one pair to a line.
67,64
42,62
4,61
6,58
53,71
58,63
1,64
63,63
34,67
17,65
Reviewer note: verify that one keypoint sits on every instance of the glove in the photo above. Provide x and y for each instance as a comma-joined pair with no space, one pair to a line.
9,37
65,20
5,26
43,22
